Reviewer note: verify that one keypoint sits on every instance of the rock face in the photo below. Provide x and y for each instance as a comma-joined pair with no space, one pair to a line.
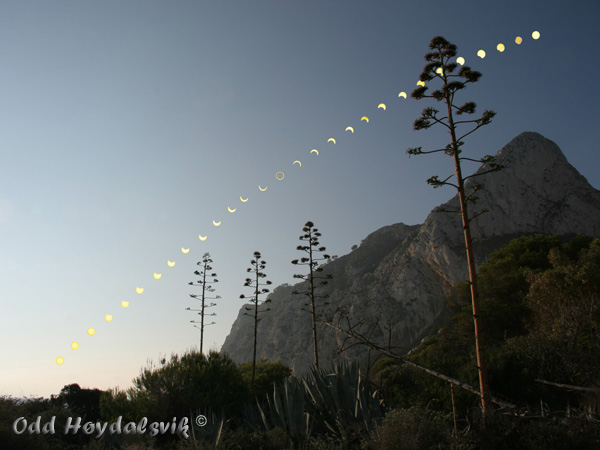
397,281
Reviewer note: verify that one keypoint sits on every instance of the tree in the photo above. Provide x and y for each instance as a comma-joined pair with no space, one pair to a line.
440,68
83,402
311,235
564,339
205,263
502,276
267,373
503,285
258,266
188,382
114,403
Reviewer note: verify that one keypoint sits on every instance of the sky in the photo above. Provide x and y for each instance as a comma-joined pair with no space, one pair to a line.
127,128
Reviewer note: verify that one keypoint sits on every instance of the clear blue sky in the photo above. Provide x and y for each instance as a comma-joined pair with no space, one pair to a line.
128,127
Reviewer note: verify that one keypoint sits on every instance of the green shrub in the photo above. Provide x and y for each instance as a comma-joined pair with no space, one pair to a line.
266,374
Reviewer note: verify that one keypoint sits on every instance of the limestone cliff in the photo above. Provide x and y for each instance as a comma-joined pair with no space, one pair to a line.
398,279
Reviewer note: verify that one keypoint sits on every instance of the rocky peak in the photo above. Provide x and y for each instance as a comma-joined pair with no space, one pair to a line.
398,279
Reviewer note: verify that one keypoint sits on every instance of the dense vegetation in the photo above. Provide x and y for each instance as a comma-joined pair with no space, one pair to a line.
540,302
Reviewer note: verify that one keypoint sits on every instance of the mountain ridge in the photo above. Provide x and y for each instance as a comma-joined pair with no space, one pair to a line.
397,281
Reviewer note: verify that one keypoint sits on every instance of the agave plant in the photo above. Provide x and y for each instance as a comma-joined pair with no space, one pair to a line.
252,416
323,401
342,398
213,425
286,409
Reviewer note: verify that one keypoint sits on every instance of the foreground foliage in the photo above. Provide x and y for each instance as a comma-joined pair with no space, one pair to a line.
541,312
540,308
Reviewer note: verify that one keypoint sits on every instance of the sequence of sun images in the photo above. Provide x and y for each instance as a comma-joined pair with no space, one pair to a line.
279,176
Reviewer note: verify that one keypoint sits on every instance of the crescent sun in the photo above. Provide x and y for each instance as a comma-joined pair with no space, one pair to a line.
299,163
203,238
331,140
262,188
314,150
231,210
185,250
402,94
244,200
350,129
170,263
216,224
365,118
382,106
157,275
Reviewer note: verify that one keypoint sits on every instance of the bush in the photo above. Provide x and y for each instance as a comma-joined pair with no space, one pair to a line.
266,374
518,433
183,384
413,428
244,439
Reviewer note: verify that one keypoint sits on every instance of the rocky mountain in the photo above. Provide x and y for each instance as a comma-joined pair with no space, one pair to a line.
398,280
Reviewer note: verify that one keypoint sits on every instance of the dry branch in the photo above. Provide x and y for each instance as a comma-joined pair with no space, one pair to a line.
357,337
569,387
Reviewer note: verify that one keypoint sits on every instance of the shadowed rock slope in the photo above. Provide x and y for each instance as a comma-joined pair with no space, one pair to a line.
397,281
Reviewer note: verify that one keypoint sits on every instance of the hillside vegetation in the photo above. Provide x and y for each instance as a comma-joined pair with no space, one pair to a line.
541,314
